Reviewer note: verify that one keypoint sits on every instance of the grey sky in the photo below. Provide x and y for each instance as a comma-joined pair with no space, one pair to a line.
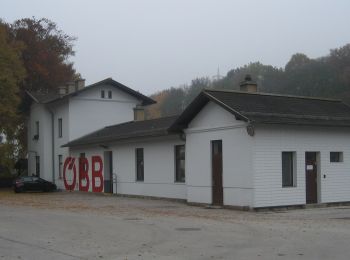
155,44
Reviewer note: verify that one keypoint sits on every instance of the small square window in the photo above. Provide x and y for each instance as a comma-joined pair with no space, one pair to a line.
335,157
102,94
110,94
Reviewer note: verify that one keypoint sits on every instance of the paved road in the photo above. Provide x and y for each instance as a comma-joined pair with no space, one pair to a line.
86,226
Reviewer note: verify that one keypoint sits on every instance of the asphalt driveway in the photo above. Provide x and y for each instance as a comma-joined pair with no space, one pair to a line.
65,225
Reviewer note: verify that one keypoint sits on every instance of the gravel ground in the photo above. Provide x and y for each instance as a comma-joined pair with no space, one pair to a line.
64,225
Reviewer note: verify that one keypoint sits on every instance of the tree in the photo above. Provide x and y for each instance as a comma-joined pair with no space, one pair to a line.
297,61
12,74
46,54
45,57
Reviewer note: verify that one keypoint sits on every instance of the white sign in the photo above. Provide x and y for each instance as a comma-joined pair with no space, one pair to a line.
309,167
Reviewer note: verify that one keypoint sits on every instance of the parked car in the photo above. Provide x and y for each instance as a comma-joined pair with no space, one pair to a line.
33,184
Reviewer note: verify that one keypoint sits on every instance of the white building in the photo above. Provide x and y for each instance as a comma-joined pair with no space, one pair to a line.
231,148
76,110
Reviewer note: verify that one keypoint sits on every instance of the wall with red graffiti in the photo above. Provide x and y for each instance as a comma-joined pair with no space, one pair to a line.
83,173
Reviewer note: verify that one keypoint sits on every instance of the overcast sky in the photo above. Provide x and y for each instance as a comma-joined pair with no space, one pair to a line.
155,44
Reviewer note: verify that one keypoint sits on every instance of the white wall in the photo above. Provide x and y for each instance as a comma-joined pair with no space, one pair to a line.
215,123
270,141
159,167
89,112
61,110
41,147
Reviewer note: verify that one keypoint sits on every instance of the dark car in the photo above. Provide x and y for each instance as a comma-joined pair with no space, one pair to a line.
33,184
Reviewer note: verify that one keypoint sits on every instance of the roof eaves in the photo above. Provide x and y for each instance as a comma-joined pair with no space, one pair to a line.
228,108
272,94
32,97
294,116
190,111
97,141
145,100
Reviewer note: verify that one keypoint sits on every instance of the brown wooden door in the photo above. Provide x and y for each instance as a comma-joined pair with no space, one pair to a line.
311,177
217,192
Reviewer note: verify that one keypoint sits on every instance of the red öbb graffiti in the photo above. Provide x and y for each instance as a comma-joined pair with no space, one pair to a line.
69,165
70,174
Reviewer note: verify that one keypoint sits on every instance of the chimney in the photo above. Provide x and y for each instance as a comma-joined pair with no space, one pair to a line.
62,90
248,85
139,113
79,84
71,86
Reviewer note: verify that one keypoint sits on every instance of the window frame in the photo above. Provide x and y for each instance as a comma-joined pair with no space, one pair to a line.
178,178
60,166
140,171
37,130
292,170
109,94
103,95
59,125
37,165
339,157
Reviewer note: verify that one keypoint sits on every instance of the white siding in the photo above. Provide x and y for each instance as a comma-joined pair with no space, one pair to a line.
41,147
271,141
215,123
61,110
159,167
89,112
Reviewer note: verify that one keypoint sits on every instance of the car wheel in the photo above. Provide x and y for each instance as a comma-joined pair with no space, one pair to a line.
18,190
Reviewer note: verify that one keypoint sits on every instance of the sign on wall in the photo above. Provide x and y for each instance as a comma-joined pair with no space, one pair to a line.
77,170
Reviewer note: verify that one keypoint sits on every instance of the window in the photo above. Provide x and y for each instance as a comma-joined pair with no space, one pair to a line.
336,157
139,165
60,164
288,169
110,94
180,163
102,94
37,166
60,127
36,135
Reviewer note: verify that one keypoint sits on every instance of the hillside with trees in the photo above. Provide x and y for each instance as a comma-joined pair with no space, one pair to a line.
327,76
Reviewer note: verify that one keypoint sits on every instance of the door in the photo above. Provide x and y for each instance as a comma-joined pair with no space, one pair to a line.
311,177
216,161
108,172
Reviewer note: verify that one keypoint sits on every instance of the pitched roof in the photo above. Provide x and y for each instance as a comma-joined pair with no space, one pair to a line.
51,97
124,131
270,109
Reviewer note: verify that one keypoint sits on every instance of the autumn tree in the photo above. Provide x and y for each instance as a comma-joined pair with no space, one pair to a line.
45,57
12,74
46,54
